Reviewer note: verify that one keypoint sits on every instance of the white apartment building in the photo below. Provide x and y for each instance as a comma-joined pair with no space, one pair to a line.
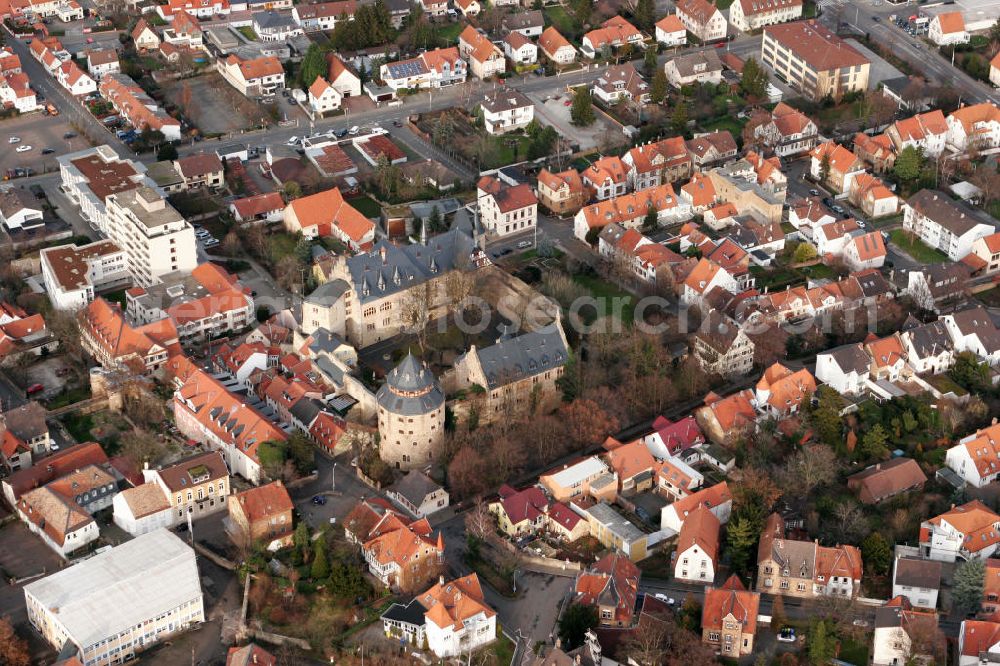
504,209
507,111
944,224
747,15
120,602
156,238
253,78
73,274
90,176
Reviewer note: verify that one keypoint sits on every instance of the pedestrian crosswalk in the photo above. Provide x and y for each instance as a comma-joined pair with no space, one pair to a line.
830,4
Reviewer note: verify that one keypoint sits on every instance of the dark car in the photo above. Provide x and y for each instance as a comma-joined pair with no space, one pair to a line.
397,123
318,500
341,133
48,151
37,191
291,102
69,135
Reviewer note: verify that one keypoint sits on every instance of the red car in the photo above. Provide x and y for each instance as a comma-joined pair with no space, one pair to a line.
35,388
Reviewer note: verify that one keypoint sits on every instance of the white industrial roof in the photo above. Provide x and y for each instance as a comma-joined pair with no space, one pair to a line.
580,471
122,587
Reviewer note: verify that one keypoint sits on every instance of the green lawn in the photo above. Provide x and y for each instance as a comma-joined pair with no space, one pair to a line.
916,248
502,649
775,278
248,32
990,298
449,33
724,123
567,25
819,271
281,245
68,397
366,206
79,425
606,294
852,652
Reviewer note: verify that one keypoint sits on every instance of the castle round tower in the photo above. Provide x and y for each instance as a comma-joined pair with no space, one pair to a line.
410,415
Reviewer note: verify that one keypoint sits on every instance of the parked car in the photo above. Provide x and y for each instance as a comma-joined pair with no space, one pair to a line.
354,130
23,149
814,193
14,139
524,243
319,500
69,135
48,151
35,388
341,133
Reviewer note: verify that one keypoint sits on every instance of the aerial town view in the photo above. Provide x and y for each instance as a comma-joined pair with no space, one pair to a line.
500,332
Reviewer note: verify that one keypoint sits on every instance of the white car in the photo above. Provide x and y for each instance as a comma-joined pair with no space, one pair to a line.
23,149
14,139
354,130
292,141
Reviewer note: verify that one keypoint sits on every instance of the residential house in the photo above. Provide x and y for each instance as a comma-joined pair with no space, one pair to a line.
630,211
929,348
878,151
653,164
506,209
506,111
712,148
191,488
726,419
19,209
978,642
693,68
612,586
698,547
144,591
670,31
635,257
529,23
788,132
451,618
718,499
903,632
883,481
621,83
106,335
835,166
614,33
991,585
323,16
520,512
834,67
521,50
418,494
75,80
137,107
872,196
671,439
706,276
556,48
267,207
675,479
722,347
101,62
328,214
945,224
948,28
607,177
919,580
184,31
400,552
259,77
262,515
925,131
748,15
632,463
974,127
729,618
561,193
702,19
323,98
864,251
25,436
431,69
809,215
341,77
469,8
973,330
968,532
272,26
780,392
250,655
590,477
700,194
200,170
485,58
804,569
616,532
144,36
976,457
983,258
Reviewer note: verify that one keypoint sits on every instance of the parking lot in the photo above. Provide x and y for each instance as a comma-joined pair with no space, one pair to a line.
75,39
40,132
23,554
556,112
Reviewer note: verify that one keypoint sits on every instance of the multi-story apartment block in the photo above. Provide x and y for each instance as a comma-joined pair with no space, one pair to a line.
747,15
790,132
506,209
805,569
155,237
945,224
702,19
813,60
74,274
204,304
506,111
926,131
144,591
90,176
722,347
974,127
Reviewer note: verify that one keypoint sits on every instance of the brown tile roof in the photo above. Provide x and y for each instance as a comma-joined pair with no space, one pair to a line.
701,11
508,198
951,22
754,7
670,23
612,581
812,42
260,204
145,500
56,465
106,178
263,502
53,513
328,208
200,164
730,599
193,470
884,480
450,604
379,145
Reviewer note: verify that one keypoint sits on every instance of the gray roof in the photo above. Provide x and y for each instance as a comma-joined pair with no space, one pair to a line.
331,370
410,389
375,276
916,572
15,200
852,357
929,339
503,99
977,321
527,355
273,20
415,486
799,557
122,587
325,341
164,173
424,209
522,20
306,410
615,523
708,61
27,421
412,613
955,216
328,293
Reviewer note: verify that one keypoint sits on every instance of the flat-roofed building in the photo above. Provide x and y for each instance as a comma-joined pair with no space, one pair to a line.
74,274
90,176
119,602
813,60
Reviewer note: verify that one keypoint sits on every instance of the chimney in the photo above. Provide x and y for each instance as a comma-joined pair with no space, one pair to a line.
382,254
441,579
878,466
255,657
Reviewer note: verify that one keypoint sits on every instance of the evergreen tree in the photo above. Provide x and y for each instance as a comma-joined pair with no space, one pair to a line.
741,537
753,82
824,168
649,61
645,15
658,88
320,567
821,645
826,416
313,65
574,623
679,119
876,553
582,112
651,220
967,586
909,164
873,443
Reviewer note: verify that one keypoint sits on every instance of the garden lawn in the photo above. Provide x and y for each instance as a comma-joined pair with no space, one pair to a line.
724,123
450,32
852,652
281,245
916,248
563,22
606,293
366,206
69,397
502,649
248,32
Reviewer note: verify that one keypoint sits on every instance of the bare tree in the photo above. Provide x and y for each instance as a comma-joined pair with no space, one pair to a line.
480,522
416,311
